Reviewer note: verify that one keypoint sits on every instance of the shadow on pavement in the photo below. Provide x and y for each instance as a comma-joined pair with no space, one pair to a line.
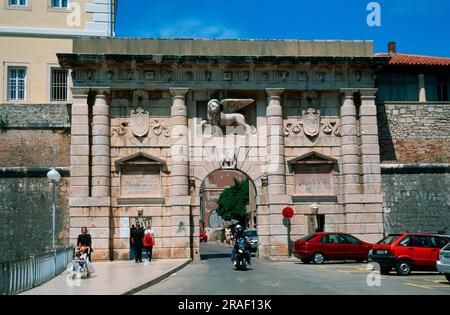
215,256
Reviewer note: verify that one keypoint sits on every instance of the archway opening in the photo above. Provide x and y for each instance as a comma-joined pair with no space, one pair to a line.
218,231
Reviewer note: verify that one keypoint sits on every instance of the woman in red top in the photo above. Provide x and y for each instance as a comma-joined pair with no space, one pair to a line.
149,242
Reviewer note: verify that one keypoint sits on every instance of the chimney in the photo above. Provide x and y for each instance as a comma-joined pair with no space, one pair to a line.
392,48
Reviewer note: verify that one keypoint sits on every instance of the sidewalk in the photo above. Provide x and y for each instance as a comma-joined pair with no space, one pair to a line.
113,278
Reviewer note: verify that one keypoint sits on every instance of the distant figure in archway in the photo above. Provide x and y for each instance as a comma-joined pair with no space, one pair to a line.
228,236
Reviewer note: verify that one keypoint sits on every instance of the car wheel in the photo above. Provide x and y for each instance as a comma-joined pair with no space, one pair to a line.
385,270
318,258
404,268
448,276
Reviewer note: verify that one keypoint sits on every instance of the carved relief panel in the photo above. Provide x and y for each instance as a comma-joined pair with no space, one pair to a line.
139,129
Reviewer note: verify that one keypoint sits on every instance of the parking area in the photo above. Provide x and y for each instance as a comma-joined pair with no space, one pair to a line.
426,280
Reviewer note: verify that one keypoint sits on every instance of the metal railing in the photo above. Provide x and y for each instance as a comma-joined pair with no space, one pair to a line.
19,276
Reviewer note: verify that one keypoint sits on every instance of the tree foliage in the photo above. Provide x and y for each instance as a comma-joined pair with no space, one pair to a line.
234,200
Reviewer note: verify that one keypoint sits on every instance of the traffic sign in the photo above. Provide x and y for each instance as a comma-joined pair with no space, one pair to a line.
288,213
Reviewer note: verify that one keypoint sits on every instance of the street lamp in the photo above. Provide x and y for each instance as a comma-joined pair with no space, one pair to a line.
54,177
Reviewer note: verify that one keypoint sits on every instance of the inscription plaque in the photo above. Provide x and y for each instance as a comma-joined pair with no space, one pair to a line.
140,181
314,181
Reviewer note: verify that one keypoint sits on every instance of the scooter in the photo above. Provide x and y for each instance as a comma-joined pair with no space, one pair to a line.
242,256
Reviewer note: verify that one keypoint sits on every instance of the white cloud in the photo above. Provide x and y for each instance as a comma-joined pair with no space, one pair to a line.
194,29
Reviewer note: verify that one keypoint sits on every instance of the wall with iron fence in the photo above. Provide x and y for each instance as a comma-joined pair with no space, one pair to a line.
19,276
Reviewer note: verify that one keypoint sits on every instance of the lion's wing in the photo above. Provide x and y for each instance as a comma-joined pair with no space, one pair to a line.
234,105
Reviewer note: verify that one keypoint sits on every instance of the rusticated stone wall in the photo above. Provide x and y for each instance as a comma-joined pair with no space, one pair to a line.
414,133
417,200
26,213
33,138
415,152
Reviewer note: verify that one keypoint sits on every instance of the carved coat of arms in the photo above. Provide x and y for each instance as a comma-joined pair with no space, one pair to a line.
311,122
140,122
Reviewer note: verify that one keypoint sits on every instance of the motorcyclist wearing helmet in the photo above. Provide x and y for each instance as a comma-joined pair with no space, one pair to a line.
239,234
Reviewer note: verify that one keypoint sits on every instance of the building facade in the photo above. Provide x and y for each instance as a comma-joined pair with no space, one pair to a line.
414,119
32,32
298,118
35,115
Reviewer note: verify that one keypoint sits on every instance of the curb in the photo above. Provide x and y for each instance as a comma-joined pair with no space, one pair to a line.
157,279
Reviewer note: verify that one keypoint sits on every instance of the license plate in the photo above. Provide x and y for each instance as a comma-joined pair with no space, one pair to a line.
381,252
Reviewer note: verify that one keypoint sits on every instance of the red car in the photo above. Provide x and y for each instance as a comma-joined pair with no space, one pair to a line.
320,247
407,252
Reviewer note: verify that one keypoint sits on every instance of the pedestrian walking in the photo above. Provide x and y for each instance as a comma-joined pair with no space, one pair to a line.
149,242
133,254
138,240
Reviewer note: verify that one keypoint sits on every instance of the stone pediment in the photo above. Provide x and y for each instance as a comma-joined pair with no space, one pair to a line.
142,159
312,159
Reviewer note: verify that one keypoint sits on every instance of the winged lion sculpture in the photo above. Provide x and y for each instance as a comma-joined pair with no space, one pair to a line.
223,113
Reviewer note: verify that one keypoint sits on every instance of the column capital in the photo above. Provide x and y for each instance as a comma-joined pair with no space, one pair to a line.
348,93
78,92
368,94
275,92
102,92
179,92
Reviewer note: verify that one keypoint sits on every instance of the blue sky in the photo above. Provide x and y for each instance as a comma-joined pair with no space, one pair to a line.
418,26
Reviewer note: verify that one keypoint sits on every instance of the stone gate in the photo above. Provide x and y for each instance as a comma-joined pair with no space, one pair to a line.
299,118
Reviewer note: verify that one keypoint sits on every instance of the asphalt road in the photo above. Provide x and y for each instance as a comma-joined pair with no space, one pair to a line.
215,275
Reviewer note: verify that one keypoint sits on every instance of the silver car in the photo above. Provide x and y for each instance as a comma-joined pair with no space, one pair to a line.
443,264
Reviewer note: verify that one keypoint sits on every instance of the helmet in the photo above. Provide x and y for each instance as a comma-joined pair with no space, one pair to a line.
239,228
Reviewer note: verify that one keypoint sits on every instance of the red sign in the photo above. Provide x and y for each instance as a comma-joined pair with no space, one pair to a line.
288,213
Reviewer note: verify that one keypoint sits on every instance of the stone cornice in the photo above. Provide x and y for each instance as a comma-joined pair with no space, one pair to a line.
74,59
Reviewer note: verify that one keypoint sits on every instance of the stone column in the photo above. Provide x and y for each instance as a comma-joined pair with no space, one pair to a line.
90,207
276,168
276,174
101,148
180,200
370,162
422,89
350,149
100,211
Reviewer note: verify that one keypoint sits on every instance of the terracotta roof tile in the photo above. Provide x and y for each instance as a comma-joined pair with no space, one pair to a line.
416,60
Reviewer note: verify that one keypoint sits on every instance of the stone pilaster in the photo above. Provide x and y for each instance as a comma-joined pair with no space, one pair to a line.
361,166
79,159
79,148
179,178
370,165
276,173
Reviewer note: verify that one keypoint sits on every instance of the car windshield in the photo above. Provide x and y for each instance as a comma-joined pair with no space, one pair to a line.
307,238
389,240
251,233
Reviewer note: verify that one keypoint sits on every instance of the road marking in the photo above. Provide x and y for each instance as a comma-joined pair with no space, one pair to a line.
343,271
419,286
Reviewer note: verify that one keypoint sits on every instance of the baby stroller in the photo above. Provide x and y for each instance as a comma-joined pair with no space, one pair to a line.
81,266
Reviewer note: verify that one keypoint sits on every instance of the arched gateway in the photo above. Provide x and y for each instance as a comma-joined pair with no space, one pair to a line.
210,191
149,127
